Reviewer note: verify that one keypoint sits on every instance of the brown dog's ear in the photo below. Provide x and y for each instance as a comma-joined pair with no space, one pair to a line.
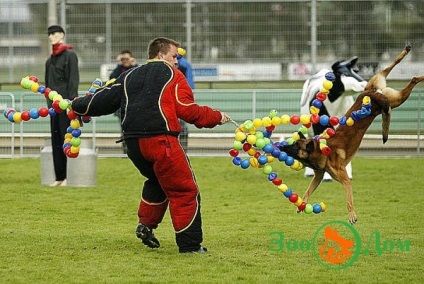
310,146
301,135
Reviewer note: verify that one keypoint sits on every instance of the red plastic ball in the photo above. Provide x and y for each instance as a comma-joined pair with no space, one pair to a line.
56,106
314,118
293,198
246,147
295,119
277,181
321,96
302,206
25,115
43,111
234,153
270,128
72,115
334,120
331,132
257,154
326,151
33,78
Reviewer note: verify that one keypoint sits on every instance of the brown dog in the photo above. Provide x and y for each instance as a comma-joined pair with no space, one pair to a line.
347,139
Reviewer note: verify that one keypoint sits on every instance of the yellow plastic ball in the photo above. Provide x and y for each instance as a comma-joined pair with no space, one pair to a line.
68,136
276,120
266,121
366,100
323,206
295,165
305,118
298,201
295,136
251,139
240,136
327,84
283,187
257,122
350,121
251,151
17,117
252,131
34,87
254,162
75,124
270,158
285,119
74,149
324,90
314,110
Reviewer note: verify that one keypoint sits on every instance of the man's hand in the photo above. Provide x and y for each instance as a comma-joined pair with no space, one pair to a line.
224,118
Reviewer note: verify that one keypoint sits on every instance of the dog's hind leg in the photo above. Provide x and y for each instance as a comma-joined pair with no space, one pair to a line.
378,81
396,98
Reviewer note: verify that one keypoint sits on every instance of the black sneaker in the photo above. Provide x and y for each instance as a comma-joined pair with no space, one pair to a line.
147,237
200,250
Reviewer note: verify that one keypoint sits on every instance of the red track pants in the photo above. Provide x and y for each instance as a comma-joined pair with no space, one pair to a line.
170,181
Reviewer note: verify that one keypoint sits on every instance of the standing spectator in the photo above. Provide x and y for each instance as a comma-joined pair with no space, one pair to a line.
152,98
185,67
62,75
125,62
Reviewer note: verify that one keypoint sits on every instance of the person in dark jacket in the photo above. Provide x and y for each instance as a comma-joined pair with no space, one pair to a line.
62,75
125,62
152,98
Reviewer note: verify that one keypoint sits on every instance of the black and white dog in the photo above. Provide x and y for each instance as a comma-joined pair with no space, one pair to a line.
337,102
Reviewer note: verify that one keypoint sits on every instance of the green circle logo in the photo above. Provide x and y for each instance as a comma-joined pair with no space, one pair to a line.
336,245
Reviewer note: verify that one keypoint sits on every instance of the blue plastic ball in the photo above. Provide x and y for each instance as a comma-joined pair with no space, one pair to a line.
288,193
275,152
317,103
324,120
317,208
66,145
52,112
267,133
41,89
282,157
76,133
272,176
268,148
10,117
330,76
342,120
69,129
289,161
245,163
237,161
33,113
354,116
262,159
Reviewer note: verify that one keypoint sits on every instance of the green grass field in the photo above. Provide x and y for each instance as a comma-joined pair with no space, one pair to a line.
86,235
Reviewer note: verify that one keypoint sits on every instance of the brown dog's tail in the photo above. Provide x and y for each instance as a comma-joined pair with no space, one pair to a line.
383,103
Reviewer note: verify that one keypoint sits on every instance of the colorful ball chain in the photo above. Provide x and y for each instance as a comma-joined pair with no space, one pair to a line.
251,141
72,139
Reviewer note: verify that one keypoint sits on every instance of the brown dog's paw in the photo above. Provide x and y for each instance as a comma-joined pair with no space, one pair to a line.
352,218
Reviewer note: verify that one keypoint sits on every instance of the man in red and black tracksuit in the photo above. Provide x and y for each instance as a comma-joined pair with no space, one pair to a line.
152,98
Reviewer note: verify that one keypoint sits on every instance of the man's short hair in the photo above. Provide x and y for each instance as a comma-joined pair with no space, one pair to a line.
160,44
